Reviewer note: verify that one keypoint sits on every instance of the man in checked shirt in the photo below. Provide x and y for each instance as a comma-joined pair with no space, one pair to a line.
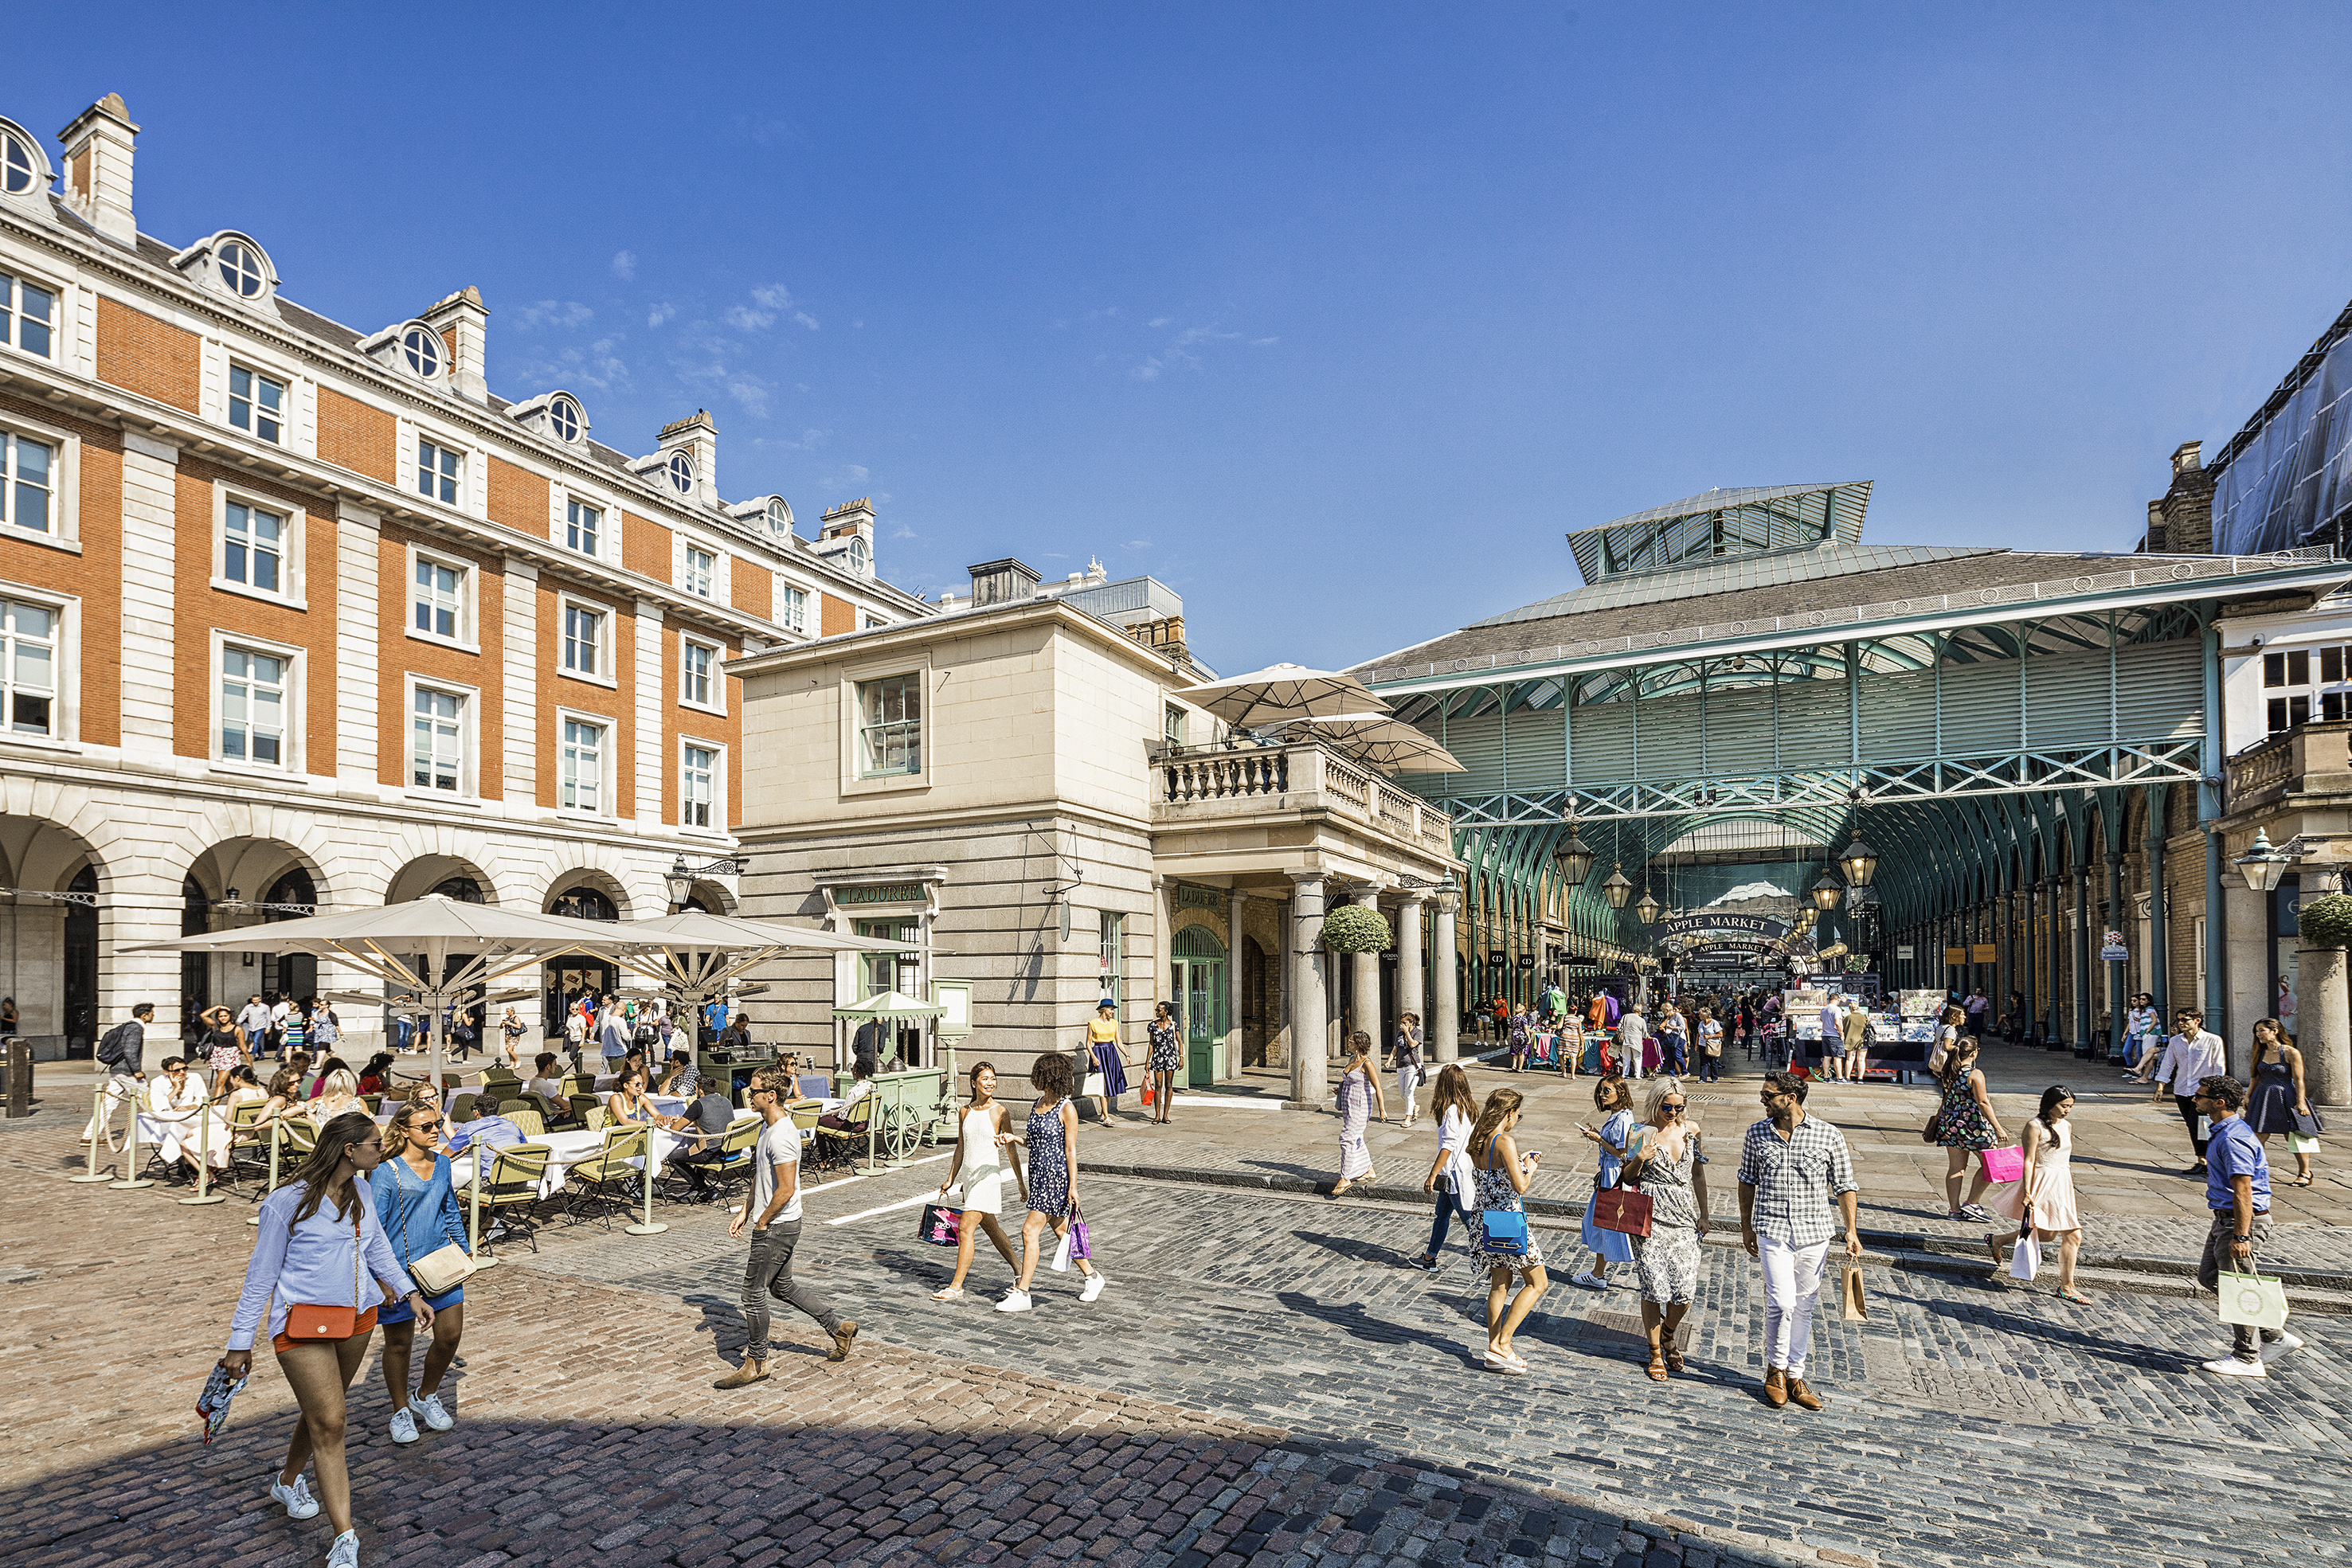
1792,1166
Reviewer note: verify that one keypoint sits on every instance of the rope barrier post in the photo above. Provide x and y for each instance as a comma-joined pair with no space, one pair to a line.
648,1226
97,1130
276,1130
203,1158
131,1179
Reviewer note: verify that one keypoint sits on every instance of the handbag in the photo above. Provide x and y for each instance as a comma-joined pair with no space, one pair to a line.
445,1268
1094,1087
312,1320
2004,1164
1502,1230
939,1225
2307,1124
2256,1301
1625,1210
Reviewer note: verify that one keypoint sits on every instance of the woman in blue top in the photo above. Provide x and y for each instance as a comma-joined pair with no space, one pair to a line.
1614,1099
417,1206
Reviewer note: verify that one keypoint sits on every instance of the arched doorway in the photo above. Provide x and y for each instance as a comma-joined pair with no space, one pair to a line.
569,979
289,975
1197,985
81,963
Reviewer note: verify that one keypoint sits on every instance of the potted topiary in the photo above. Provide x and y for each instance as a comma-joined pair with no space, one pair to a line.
1354,928
2327,922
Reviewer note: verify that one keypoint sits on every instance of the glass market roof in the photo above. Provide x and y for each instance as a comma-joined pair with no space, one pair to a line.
1747,522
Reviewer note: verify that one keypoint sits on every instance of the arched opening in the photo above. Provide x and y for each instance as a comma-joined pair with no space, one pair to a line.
292,976
1197,982
570,983
245,881
81,962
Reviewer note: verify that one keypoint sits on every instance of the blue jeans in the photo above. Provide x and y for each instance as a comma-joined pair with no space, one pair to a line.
403,1032
1441,1221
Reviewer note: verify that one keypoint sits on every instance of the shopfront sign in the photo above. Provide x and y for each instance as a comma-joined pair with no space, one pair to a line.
885,892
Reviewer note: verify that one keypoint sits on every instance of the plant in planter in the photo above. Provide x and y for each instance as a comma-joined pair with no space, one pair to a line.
1353,928
2327,922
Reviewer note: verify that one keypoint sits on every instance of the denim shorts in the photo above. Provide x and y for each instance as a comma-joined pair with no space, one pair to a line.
400,1311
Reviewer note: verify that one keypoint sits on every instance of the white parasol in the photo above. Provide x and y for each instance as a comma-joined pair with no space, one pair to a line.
1282,692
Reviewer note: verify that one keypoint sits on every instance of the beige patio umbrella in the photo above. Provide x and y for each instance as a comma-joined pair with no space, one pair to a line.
695,956
1379,741
1282,692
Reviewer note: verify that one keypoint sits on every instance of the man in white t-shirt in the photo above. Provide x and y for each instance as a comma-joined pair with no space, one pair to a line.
1632,1035
773,1212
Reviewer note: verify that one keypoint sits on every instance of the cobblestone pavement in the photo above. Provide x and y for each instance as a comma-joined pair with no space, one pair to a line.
1261,1383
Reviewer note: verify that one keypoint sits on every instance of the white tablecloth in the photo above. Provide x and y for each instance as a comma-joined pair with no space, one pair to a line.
567,1149
177,1134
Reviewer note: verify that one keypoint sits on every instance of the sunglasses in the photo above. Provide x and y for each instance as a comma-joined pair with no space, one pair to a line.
425,1127
1673,1105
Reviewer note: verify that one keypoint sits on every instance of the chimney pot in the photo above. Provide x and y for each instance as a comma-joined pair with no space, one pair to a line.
2185,456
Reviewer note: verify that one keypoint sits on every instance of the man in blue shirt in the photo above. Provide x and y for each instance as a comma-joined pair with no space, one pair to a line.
487,1132
2237,1191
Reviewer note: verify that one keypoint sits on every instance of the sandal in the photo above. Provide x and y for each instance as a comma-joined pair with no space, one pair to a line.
1657,1368
1674,1359
2077,1297
947,1293
1339,1188
2300,1181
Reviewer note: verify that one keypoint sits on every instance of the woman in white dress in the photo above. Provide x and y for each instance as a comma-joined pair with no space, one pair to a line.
2046,1191
1360,1095
981,1165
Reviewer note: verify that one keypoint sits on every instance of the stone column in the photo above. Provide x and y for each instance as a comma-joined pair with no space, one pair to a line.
1445,999
2325,1039
2242,953
1236,911
1366,1001
1409,980
1311,1075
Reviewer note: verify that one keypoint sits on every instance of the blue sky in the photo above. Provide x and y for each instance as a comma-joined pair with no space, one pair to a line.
1335,318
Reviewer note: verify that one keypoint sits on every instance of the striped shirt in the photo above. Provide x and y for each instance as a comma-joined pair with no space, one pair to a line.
1797,1179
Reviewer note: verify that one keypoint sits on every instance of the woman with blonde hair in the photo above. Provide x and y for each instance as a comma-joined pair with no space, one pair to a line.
1668,1163
1503,1172
416,1203
1453,1108
339,1095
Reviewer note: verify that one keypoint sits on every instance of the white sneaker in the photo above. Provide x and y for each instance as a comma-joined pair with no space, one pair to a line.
1013,1301
1590,1280
345,1551
404,1425
1094,1287
2285,1344
2230,1367
429,1407
300,1503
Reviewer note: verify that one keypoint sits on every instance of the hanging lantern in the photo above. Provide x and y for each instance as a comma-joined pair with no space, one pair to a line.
1573,858
1826,893
1860,864
1646,911
1617,890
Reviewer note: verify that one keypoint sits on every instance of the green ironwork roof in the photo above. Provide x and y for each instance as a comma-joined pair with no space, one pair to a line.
1746,522
1732,574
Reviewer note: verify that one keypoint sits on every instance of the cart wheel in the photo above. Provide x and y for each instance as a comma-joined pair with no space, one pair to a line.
901,1131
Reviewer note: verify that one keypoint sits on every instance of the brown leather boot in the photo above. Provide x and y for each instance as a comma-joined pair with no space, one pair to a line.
1802,1397
1776,1388
743,1376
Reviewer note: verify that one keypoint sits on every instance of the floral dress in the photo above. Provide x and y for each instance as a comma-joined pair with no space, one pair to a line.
1495,1191
1960,1122
1049,1162
1667,1258
1165,1056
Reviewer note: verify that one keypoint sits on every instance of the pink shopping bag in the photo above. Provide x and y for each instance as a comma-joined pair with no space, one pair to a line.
2004,1164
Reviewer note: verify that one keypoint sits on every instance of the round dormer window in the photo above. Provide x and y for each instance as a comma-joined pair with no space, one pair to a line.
20,171
681,472
563,419
779,516
860,558
422,350
241,269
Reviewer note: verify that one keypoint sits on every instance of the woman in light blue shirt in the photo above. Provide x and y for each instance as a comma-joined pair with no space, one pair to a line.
417,1202
320,1245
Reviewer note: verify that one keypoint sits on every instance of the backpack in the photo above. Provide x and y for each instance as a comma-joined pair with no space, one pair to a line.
109,1047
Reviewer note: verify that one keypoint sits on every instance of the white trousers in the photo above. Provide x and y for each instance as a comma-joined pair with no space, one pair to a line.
1792,1284
122,1089
1408,1078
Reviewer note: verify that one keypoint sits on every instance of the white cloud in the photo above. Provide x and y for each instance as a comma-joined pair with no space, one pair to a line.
1146,372
743,318
750,392
1161,320
625,264
660,313
553,313
1136,544
772,301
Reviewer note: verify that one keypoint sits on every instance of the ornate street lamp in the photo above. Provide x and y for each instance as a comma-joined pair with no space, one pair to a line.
1573,858
1617,890
1826,893
2263,865
1860,864
1646,910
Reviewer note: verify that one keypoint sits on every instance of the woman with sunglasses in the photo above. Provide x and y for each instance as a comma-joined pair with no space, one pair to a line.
417,1202
1671,1168
319,1246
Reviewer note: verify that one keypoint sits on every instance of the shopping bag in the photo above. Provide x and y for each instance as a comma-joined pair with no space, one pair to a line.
2302,1144
2003,1165
1080,1247
1148,1099
940,1226
1094,1087
1623,1209
2256,1301
1857,1310
2026,1261
1062,1254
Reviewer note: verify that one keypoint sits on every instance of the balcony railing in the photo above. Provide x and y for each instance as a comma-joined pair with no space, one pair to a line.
1210,781
2311,758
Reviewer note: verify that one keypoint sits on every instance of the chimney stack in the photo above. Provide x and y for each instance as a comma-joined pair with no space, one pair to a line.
699,436
2186,457
464,323
98,146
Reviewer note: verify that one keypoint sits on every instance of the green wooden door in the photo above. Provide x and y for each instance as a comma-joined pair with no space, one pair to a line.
1198,988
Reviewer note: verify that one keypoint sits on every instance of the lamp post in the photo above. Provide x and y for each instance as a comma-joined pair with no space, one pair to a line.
681,877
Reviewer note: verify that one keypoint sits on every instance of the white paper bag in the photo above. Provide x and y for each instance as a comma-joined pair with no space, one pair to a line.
2026,1261
1062,1255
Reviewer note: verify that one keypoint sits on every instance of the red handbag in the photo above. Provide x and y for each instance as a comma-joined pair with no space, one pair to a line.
1625,1210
